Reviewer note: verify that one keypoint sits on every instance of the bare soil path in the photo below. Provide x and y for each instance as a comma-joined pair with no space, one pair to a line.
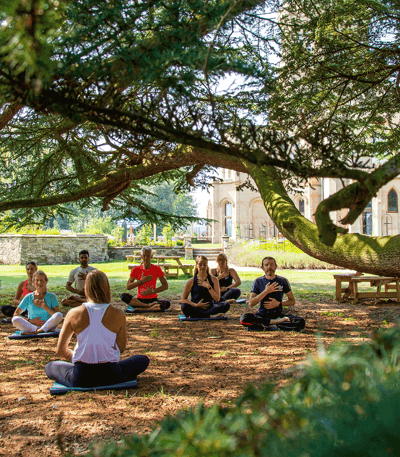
190,362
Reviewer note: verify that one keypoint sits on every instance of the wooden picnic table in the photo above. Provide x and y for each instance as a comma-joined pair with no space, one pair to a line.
162,262
339,279
388,282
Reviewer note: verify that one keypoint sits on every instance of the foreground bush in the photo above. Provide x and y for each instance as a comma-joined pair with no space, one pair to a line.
345,402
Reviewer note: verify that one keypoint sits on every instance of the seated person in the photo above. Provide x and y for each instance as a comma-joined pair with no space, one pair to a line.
42,306
100,331
25,287
205,296
267,291
78,276
229,289
144,277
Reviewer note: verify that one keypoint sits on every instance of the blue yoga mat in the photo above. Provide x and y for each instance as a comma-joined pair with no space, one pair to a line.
59,389
183,318
17,335
131,310
241,300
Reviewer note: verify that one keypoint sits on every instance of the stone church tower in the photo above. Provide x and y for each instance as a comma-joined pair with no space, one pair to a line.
241,214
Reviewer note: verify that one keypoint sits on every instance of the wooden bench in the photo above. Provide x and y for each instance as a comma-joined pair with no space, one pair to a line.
173,270
389,284
167,267
339,279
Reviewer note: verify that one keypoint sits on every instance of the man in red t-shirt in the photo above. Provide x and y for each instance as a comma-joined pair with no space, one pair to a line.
144,277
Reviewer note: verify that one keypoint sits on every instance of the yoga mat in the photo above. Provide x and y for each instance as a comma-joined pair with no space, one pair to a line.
183,318
130,310
59,389
241,300
17,335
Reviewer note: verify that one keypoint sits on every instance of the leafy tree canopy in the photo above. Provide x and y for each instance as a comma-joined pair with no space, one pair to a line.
96,98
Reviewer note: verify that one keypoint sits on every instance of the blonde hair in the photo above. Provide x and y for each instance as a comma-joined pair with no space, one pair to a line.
198,258
40,273
97,287
221,254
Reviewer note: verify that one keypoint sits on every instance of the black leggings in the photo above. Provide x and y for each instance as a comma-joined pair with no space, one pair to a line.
230,294
81,374
260,320
216,308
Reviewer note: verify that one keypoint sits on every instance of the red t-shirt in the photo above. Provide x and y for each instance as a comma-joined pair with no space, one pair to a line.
138,273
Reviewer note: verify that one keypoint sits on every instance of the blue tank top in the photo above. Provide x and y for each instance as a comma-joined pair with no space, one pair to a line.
201,293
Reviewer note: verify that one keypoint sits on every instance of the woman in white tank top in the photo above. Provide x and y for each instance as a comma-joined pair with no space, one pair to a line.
100,330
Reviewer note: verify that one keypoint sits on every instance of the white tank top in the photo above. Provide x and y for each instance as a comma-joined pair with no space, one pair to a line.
96,344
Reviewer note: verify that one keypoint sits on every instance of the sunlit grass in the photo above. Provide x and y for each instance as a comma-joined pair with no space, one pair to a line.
311,285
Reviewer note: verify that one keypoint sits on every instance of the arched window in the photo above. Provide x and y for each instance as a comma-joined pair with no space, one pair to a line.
301,205
228,218
393,206
367,219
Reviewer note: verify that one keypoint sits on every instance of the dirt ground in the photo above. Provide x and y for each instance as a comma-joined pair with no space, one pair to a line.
189,362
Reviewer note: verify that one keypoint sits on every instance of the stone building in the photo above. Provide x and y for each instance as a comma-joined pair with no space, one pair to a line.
241,214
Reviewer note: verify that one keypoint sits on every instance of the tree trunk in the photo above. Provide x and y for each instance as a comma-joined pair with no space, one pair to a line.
375,255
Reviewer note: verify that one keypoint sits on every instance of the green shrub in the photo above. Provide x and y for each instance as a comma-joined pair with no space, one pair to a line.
144,235
344,402
251,255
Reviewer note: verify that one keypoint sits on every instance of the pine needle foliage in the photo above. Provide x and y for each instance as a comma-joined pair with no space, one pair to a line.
345,401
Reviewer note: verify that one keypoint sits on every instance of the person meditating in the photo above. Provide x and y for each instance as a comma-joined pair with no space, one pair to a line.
78,276
24,288
268,291
100,331
42,306
229,280
205,295
144,278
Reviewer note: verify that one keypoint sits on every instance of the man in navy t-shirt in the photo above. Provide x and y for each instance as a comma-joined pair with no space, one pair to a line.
267,292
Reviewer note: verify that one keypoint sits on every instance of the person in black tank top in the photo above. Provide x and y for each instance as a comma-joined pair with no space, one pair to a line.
205,294
229,280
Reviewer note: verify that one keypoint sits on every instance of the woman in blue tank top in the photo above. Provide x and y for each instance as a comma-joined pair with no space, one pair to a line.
100,331
205,293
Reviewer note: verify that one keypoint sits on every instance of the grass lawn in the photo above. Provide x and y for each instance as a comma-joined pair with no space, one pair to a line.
312,285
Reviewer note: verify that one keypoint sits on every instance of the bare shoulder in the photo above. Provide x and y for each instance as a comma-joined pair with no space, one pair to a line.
116,313
74,313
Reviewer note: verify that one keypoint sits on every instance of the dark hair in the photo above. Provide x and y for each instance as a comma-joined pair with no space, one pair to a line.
31,263
267,258
97,287
198,258
85,251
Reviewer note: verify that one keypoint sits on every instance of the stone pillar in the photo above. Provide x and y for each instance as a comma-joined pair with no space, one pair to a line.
188,252
225,243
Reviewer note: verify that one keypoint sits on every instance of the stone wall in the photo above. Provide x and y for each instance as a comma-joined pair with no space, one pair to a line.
51,249
119,253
